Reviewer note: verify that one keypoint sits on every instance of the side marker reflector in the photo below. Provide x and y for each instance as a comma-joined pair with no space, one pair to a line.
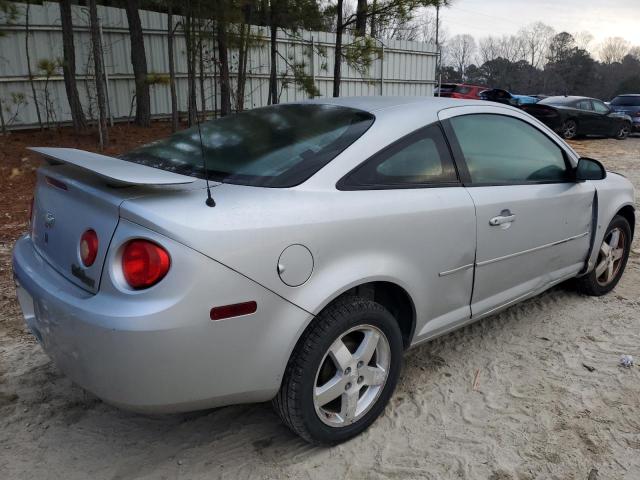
235,310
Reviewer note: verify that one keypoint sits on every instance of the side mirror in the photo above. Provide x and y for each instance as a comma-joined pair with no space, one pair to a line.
590,169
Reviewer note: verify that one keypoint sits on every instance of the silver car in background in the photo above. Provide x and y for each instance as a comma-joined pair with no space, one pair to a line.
291,253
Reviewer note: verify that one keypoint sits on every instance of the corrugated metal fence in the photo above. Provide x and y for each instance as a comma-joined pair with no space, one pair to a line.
404,68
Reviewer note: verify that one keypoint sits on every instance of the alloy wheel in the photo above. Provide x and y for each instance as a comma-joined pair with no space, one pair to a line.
351,376
624,132
569,129
610,256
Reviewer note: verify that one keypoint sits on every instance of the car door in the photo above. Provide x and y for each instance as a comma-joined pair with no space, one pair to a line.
604,124
533,221
425,221
587,117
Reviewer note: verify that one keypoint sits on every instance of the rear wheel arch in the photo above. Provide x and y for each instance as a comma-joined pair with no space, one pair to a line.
396,300
391,296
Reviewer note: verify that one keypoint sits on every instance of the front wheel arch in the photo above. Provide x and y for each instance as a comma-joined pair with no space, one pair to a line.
628,212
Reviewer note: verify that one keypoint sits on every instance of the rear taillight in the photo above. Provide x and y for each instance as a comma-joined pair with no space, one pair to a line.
88,247
144,263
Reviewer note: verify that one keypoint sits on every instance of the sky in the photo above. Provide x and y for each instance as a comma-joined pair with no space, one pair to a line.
602,18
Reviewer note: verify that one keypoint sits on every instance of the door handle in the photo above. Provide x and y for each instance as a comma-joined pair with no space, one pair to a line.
505,217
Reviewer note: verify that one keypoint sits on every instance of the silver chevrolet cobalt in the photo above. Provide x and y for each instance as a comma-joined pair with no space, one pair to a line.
292,253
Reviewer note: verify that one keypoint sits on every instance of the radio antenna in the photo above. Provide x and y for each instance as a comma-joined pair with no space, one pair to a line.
210,202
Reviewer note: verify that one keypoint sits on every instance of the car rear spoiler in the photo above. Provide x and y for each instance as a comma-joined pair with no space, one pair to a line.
114,170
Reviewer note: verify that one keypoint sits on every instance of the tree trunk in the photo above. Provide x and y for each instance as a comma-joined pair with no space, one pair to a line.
373,26
273,68
139,63
337,67
172,71
3,126
33,86
243,55
69,67
361,18
203,100
99,73
223,58
191,65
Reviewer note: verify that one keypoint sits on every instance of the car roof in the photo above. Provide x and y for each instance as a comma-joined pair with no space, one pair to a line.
568,98
629,95
376,104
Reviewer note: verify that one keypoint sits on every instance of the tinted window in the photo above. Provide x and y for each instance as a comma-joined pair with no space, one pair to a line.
626,101
445,88
502,150
600,107
277,146
462,89
584,105
421,158
557,101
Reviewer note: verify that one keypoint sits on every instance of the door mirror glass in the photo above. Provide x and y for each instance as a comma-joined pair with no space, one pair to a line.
590,169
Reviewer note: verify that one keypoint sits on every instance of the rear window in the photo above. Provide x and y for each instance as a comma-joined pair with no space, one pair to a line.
626,101
558,101
277,146
446,88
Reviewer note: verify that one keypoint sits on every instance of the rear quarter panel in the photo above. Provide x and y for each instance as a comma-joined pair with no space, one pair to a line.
402,236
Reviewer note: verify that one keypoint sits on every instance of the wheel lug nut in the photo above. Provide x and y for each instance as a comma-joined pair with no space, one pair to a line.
347,386
347,371
360,379
360,364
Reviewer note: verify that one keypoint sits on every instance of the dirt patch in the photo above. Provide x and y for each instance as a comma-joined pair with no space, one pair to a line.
18,165
505,398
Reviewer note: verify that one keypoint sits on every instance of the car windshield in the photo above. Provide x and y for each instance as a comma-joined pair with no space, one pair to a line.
277,146
626,101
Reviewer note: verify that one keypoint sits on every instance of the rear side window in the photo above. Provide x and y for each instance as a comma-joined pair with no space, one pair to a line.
419,159
584,105
277,146
504,150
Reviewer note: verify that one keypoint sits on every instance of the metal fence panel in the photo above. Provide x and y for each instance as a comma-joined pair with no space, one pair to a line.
404,68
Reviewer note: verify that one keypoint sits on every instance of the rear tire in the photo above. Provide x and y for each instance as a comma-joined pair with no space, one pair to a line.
611,261
569,130
357,389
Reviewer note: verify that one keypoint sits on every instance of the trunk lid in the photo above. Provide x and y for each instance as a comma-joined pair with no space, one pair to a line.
73,196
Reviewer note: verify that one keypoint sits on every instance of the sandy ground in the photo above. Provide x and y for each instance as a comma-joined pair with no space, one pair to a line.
537,411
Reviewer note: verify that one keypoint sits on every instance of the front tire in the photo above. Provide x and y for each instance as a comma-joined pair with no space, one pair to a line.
342,372
624,132
612,259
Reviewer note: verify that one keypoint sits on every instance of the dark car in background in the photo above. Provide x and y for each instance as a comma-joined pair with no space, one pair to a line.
628,104
459,90
572,117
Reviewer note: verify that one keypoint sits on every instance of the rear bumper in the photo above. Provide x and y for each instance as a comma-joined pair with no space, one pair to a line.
151,354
